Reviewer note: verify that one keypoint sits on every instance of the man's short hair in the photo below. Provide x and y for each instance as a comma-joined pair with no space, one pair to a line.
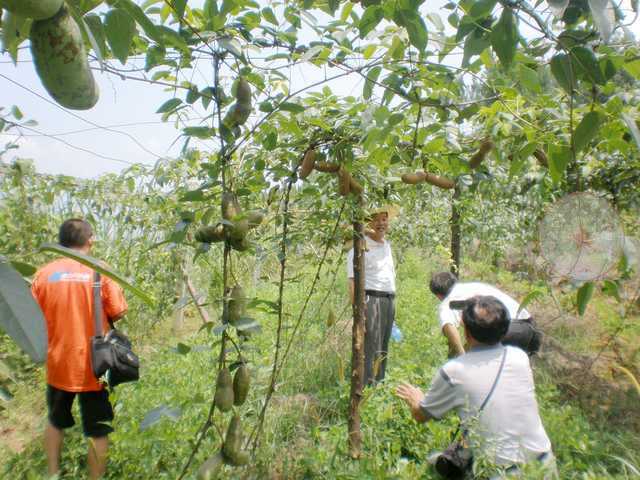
486,319
442,283
74,233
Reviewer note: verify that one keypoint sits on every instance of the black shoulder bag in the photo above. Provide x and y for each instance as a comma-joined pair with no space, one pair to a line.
456,460
111,354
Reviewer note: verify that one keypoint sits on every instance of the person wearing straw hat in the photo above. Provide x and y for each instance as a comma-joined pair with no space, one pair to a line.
380,291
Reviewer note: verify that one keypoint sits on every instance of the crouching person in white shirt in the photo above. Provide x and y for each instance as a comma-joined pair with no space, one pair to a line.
491,388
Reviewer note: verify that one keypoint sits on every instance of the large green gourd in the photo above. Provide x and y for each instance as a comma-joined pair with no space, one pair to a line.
223,398
241,383
61,61
35,9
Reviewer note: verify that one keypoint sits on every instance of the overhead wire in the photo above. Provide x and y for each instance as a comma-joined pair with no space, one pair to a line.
131,137
70,145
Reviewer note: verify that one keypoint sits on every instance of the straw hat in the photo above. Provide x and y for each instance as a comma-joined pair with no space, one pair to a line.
392,211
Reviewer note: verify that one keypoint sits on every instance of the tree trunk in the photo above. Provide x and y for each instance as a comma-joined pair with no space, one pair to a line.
357,352
178,319
455,231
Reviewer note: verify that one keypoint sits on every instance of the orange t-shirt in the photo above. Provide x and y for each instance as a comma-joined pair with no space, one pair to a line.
63,288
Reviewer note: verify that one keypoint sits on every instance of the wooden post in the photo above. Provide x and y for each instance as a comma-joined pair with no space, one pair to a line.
357,352
455,231
194,295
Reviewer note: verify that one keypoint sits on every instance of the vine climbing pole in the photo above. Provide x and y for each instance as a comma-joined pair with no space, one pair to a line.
357,353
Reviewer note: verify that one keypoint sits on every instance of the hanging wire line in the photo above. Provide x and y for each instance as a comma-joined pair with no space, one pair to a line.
75,147
131,137
84,130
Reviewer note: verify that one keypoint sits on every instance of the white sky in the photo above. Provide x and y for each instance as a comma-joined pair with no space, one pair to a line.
128,108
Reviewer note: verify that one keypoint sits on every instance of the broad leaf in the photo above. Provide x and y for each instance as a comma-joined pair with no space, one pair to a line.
372,77
504,37
482,8
586,130
94,24
269,16
528,298
585,292
603,16
24,269
563,72
586,66
370,19
15,29
99,267
475,44
20,316
179,7
169,105
147,25
529,78
120,29
231,45
633,128
291,107
558,7
559,158
415,26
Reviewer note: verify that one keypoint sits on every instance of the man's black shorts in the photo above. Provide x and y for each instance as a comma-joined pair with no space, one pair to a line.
95,410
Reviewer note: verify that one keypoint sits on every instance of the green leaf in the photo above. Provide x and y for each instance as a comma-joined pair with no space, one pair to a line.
20,316
504,37
585,292
94,23
529,78
633,128
563,72
370,19
559,158
231,45
611,289
291,107
25,269
585,65
179,8
603,16
204,133
147,25
120,29
15,30
415,26
182,349
155,56
528,298
482,9
372,77
100,267
269,16
586,130
169,105
193,196
395,119
173,38
475,44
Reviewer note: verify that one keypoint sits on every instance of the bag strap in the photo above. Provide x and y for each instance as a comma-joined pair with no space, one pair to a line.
493,387
97,305
495,382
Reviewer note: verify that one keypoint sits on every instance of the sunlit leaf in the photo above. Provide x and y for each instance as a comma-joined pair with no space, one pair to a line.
120,29
504,37
585,292
370,19
563,72
586,130
98,266
559,158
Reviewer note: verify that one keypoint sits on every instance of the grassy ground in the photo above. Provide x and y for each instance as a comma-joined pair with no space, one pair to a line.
305,429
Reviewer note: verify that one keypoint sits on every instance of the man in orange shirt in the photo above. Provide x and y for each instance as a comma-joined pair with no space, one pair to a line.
64,290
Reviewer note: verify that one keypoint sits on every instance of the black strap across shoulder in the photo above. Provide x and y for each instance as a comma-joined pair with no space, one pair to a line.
97,305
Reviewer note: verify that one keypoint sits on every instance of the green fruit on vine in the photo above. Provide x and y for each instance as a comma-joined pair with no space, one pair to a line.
61,61
240,245
255,218
243,92
232,447
241,384
34,9
238,231
481,154
230,206
223,397
237,304
414,178
210,234
210,469
344,182
438,181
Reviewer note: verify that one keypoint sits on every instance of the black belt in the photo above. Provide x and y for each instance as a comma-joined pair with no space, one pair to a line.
376,293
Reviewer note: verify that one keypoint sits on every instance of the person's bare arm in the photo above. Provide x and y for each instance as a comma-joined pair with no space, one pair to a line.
412,397
453,337
352,288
